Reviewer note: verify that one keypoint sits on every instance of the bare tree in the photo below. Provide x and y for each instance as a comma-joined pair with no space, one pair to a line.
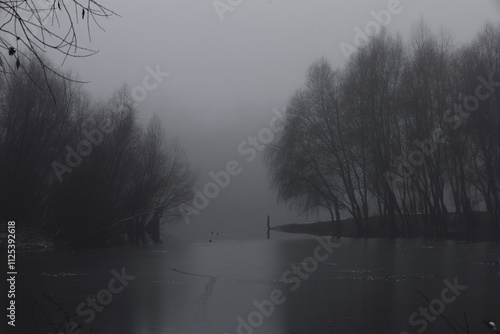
307,159
479,62
374,76
427,85
160,178
31,28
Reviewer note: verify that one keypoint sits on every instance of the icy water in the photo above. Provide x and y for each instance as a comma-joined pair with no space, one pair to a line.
363,286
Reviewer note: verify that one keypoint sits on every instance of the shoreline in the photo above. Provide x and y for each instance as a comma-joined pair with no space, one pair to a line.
454,231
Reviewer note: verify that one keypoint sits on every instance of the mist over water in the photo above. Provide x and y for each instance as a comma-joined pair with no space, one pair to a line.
227,76
146,188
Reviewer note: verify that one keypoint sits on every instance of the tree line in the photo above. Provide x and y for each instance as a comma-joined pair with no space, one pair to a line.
74,169
408,131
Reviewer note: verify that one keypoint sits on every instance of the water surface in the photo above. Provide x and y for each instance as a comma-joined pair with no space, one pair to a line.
365,286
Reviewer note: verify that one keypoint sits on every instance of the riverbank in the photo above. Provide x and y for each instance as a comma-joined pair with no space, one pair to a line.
375,229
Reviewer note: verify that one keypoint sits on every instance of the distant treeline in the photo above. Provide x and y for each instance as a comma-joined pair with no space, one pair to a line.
405,129
71,167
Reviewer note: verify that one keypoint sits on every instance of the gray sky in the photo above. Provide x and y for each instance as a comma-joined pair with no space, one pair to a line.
227,75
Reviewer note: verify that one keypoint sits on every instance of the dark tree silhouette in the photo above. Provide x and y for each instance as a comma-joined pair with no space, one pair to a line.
71,170
411,129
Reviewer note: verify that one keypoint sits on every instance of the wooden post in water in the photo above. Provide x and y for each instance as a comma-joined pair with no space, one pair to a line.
268,228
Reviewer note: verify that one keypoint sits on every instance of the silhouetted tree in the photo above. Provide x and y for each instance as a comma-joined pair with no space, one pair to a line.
71,170
401,126
29,28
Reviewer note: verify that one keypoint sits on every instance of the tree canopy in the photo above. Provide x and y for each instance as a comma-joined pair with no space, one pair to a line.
407,131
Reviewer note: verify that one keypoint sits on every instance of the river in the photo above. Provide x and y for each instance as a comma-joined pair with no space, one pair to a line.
250,286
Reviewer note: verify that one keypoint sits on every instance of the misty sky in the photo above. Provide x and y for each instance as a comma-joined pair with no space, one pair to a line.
227,76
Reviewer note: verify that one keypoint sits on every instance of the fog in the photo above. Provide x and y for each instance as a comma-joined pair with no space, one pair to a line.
226,77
